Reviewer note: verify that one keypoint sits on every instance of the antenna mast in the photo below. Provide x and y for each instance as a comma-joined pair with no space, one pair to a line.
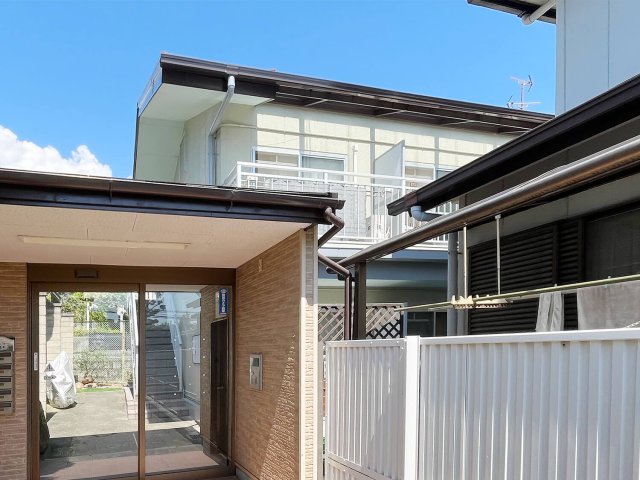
525,87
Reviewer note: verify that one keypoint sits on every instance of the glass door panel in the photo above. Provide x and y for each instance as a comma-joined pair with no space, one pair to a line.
87,384
177,382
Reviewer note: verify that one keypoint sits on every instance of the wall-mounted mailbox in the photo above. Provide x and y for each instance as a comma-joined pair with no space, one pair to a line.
255,371
7,384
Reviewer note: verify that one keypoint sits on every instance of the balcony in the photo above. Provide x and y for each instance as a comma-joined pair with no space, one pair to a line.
366,197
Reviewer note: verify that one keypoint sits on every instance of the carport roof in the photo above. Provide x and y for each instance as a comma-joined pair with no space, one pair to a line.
68,219
98,193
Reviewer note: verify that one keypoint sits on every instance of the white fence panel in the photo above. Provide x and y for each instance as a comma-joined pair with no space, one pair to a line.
531,406
367,406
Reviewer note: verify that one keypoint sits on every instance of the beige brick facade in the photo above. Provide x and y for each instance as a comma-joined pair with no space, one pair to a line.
273,301
13,322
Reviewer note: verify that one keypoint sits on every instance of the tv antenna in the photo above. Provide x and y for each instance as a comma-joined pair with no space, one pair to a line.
525,87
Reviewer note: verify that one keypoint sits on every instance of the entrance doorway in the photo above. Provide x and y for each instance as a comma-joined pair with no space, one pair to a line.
220,386
121,388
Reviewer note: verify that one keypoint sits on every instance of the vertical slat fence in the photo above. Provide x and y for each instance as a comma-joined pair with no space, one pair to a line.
561,405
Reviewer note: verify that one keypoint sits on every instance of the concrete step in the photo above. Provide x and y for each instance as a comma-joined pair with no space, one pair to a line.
162,371
158,341
158,333
160,363
167,409
166,388
154,347
165,395
160,355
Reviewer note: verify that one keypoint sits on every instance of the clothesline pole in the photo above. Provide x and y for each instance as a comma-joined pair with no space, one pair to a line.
569,288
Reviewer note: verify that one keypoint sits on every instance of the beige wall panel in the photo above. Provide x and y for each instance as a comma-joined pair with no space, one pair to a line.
419,156
283,123
278,140
268,316
326,145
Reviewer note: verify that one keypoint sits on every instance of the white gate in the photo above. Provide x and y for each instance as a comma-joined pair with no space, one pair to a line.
562,405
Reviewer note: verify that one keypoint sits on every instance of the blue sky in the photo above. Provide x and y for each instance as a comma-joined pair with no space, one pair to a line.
72,72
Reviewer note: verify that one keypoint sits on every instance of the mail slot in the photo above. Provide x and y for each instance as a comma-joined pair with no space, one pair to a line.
7,347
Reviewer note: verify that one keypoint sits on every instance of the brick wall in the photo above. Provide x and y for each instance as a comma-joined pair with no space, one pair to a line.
270,301
13,322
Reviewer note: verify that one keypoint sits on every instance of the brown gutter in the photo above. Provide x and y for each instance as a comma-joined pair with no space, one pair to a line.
337,224
610,163
114,186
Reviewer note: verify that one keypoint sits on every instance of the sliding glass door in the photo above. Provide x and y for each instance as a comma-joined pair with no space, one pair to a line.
178,389
87,352
124,388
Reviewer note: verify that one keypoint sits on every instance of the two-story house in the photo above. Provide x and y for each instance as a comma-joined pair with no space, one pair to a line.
201,122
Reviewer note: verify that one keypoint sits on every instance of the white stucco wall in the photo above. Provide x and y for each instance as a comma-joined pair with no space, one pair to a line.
359,139
596,48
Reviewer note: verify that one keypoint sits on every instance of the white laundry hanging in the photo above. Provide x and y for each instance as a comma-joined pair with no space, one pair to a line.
609,306
550,312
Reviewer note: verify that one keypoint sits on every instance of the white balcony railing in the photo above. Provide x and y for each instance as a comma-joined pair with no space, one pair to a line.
366,197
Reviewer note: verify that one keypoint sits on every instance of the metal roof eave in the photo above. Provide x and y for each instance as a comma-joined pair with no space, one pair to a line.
97,193
606,111
308,92
516,7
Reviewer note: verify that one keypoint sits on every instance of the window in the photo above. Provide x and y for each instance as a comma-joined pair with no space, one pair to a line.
427,324
321,163
422,171
612,245
292,158
276,158
441,172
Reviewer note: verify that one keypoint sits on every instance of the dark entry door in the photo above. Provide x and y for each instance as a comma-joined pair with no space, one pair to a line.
219,386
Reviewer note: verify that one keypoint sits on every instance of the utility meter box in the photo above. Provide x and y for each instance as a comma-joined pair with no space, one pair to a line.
255,371
7,369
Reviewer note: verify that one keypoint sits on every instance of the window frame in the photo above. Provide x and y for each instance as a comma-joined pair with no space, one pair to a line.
300,154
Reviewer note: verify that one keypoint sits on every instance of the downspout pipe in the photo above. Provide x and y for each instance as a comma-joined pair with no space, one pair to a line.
215,125
337,224
529,18
420,215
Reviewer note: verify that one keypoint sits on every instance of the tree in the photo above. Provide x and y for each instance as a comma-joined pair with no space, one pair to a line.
89,362
78,304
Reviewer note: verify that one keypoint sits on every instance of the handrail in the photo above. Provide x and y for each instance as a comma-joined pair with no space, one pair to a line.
330,172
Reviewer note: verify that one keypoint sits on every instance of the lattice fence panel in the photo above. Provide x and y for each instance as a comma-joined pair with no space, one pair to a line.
383,321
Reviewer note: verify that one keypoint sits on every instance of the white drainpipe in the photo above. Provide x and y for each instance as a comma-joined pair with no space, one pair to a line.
215,125
539,12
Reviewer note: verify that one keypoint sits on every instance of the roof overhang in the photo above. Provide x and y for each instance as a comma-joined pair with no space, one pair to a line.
604,112
194,85
87,220
97,193
517,7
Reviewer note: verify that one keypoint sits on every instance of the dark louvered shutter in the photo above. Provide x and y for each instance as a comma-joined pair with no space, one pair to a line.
541,257
570,267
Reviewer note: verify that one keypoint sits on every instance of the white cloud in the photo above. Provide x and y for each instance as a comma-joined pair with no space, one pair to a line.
24,155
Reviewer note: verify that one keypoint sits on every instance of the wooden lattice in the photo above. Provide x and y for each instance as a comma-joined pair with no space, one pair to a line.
383,321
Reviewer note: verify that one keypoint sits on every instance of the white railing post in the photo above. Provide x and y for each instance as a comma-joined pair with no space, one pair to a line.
411,408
